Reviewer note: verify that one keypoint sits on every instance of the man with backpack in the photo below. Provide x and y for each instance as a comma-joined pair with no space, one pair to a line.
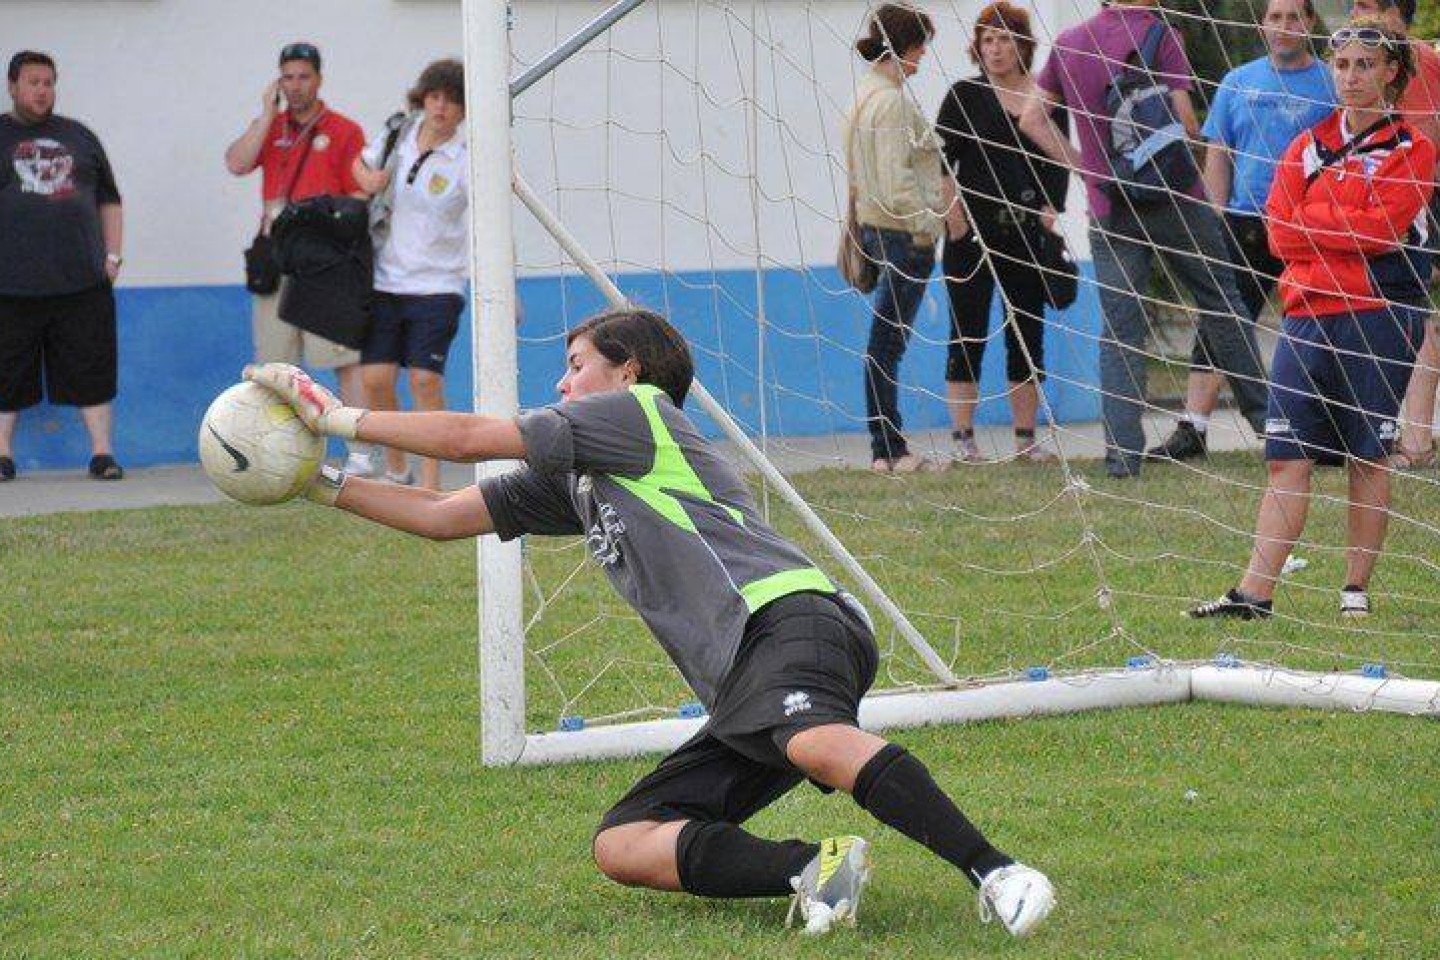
1125,77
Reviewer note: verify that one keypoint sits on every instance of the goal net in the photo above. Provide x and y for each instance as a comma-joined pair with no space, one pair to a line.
689,157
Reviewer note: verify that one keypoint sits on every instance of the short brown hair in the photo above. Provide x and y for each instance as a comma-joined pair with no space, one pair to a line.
29,58
443,76
893,29
634,333
1007,18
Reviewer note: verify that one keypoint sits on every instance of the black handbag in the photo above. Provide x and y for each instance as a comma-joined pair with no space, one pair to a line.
262,269
1058,269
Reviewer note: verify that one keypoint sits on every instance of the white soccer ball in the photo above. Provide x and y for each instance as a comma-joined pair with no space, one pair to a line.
254,447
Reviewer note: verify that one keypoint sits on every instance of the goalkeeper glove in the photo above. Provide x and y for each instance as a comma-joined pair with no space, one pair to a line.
320,409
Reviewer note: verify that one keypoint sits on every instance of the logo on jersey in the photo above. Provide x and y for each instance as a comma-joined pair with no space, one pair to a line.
1277,426
1387,430
438,184
320,142
45,167
605,533
796,702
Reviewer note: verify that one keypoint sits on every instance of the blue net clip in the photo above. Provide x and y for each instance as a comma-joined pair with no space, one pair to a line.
689,711
572,723
1140,663
1228,660
1375,671
1037,673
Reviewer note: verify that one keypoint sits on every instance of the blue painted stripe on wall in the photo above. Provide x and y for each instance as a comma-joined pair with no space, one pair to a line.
180,346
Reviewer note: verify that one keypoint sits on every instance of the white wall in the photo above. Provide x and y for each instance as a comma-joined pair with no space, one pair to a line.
167,84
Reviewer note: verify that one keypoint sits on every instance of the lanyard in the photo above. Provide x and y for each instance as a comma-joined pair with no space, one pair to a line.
415,168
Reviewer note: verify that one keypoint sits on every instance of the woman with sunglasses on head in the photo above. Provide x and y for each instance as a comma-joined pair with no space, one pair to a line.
417,173
1347,216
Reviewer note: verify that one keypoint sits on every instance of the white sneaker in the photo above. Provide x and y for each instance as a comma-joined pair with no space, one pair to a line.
359,463
405,478
1020,896
828,890
1354,602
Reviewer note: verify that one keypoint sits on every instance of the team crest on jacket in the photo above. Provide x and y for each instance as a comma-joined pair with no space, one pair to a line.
795,702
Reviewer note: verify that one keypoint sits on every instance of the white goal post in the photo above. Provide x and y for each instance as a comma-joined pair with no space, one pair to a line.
494,187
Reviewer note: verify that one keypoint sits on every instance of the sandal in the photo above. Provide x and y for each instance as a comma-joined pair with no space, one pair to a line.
104,467
881,465
7,469
910,463
1403,459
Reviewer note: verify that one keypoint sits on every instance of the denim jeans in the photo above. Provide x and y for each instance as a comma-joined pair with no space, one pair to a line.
904,272
1188,235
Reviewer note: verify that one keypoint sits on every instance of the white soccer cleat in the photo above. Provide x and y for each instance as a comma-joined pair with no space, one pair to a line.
828,890
1020,896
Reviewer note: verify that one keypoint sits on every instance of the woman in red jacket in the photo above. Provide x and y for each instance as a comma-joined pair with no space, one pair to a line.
1347,216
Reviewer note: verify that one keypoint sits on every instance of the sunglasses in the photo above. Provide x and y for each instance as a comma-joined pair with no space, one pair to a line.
300,51
1369,37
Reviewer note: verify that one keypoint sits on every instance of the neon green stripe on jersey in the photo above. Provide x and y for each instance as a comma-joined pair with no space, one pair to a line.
757,593
671,471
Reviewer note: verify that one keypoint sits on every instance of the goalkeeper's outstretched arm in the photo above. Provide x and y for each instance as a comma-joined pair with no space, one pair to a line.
425,513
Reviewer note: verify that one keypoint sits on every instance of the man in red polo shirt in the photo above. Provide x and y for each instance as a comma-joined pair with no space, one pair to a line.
306,150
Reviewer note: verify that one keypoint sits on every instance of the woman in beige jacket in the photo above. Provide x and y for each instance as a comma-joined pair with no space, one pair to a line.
894,161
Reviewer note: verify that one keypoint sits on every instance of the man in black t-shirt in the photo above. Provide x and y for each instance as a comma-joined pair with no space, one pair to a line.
60,235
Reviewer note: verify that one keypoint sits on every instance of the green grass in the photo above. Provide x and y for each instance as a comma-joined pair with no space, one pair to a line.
229,732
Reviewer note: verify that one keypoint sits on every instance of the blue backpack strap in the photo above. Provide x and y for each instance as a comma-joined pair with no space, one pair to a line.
1150,48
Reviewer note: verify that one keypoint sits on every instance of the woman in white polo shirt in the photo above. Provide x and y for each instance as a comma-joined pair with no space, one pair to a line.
417,173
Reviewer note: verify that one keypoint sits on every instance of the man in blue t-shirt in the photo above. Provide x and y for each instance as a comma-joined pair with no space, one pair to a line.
1259,108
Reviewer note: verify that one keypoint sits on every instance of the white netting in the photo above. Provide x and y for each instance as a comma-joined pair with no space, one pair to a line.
695,151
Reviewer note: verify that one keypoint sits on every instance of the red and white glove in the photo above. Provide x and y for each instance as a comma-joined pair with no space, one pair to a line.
318,408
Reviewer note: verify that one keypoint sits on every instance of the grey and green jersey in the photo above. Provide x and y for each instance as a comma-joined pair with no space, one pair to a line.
670,522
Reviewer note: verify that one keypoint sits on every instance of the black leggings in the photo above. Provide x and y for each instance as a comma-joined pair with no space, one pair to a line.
970,300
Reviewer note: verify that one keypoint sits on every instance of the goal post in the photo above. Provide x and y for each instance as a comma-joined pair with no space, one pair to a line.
706,186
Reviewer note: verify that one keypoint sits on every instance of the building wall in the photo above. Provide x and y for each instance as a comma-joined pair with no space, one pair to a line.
650,145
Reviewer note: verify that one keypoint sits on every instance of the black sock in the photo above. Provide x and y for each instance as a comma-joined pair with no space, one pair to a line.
965,434
897,790
1023,434
721,860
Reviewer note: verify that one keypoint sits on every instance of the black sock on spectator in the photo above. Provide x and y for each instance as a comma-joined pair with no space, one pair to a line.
964,434
897,790
721,860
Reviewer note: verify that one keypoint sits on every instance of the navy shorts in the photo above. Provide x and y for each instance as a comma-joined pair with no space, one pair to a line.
412,330
1337,382
68,338
806,660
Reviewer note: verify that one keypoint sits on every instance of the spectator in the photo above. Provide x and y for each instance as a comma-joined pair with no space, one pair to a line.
1420,105
1011,192
1259,108
306,150
895,178
61,226
1347,216
418,172
1126,237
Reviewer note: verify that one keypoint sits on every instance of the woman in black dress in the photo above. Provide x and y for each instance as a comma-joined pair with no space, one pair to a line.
1007,193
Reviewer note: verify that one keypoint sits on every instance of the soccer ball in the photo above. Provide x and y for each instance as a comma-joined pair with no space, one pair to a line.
255,448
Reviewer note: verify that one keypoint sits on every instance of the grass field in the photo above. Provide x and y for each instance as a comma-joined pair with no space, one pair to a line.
230,732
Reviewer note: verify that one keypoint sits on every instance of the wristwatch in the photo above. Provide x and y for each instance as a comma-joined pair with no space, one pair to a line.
115,258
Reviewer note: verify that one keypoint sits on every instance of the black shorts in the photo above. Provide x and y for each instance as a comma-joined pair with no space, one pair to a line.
806,661
413,330
70,338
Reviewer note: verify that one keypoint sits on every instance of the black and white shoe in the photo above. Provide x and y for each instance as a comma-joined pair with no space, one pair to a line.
1234,604
1186,443
1354,602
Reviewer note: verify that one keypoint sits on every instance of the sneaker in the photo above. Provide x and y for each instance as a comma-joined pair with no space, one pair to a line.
405,478
1020,896
966,450
1186,443
7,468
828,890
1233,604
1354,602
1033,453
359,464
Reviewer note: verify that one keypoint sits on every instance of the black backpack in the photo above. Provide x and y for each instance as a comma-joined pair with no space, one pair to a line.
1149,156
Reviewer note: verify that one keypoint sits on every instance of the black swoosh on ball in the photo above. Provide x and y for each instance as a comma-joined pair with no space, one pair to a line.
242,462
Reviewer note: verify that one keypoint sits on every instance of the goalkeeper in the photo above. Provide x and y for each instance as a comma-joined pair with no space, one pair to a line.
777,654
